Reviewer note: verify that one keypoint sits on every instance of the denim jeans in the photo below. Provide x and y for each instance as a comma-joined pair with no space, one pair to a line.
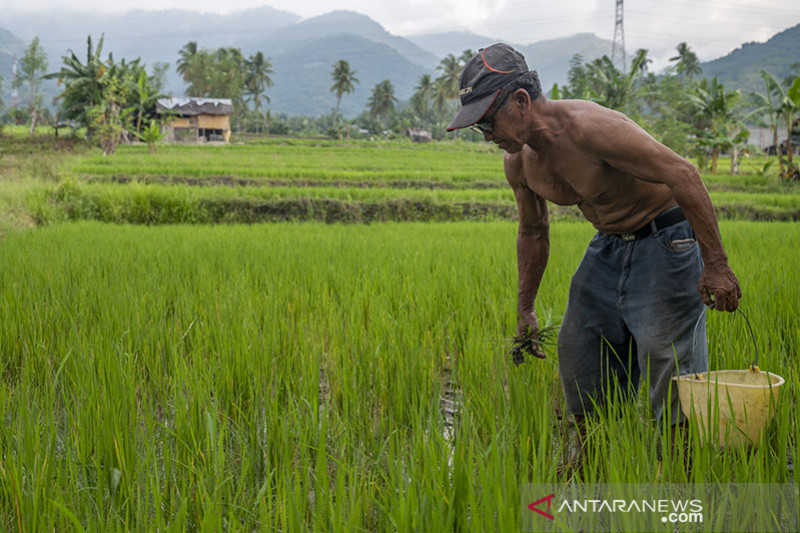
632,310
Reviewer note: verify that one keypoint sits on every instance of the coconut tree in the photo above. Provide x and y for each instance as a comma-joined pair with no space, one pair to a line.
441,97
344,80
423,93
258,80
185,64
687,63
381,103
229,73
465,56
450,68
612,87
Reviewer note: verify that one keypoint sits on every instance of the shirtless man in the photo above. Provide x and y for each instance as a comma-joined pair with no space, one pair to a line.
640,288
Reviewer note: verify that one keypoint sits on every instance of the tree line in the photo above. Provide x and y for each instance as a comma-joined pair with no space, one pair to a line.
106,97
692,115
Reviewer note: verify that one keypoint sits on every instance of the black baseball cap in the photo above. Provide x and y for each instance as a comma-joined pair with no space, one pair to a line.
481,80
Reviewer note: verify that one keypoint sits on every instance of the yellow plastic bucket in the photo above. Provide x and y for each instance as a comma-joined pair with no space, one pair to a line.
731,407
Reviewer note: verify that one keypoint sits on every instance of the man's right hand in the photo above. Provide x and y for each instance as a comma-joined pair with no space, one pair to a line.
528,326
720,283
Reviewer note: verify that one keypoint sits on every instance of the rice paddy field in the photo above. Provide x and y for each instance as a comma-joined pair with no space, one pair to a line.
165,367
278,179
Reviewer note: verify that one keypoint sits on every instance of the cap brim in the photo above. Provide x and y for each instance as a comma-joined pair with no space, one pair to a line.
472,112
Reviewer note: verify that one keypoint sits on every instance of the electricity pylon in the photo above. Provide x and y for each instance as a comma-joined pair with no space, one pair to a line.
618,48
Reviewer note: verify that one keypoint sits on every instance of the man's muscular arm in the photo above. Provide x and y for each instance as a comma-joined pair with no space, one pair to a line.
533,245
621,143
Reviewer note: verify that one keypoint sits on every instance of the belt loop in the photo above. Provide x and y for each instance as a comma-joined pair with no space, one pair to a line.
654,226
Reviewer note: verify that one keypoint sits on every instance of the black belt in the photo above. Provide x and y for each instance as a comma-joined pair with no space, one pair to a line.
664,220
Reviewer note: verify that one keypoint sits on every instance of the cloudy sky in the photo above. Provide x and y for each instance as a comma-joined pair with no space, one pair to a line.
711,27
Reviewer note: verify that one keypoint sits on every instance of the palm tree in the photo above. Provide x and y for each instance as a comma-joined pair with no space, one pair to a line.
187,55
611,87
422,96
194,67
465,56
343,80
229,73
441,97
258,80
687,62
381,103
451,72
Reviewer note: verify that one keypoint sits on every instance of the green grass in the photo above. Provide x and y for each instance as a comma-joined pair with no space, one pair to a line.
162,204
298,160
290,377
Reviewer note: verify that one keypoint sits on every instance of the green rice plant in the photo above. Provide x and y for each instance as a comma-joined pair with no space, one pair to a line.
326,161
293,377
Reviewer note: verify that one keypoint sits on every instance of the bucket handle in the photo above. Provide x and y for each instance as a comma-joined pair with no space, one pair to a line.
754,365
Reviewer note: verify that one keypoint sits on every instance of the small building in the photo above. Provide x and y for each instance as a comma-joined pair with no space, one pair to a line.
763,138
196,119
419,135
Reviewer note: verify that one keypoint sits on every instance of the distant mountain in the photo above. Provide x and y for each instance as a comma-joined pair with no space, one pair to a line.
550,58
343,22
151,35
739,69
9,43
303,52
303,80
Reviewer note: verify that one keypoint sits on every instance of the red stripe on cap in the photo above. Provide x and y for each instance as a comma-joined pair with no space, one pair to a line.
483,57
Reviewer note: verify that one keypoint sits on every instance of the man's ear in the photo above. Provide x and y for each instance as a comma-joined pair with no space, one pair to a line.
522,99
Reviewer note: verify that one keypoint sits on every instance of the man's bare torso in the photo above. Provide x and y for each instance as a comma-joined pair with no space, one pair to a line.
562,170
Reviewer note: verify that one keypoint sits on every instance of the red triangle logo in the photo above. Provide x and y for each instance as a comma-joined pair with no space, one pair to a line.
548,499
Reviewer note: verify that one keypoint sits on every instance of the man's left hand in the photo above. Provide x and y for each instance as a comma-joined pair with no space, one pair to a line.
719,286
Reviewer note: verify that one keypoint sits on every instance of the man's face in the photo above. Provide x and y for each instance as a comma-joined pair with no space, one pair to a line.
486,124
495,127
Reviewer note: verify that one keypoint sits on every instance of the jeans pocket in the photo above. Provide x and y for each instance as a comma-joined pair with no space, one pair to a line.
681,245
